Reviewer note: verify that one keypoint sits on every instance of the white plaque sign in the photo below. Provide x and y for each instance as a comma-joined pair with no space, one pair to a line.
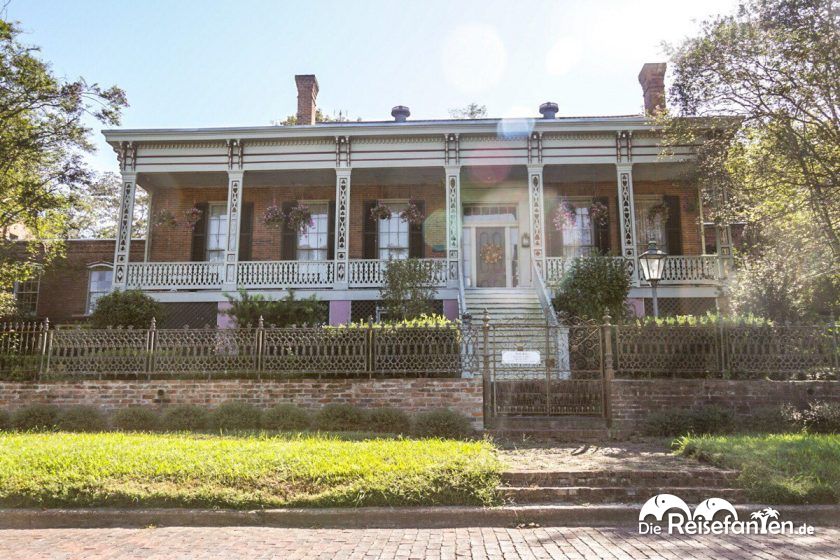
521,357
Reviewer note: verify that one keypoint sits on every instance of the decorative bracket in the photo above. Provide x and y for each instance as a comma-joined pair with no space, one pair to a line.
342,151
452,149
535,147
236,153
624,146
127,156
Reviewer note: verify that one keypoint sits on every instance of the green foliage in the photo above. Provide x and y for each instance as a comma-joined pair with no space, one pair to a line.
287,418
96,207
676,422
35,417
340,418
130,308
185,417
5,420
817,418
421,321
406,292
766,420
247,309
592,286
136,419
235,416
388,420
81,418
443,423
470,111
707,320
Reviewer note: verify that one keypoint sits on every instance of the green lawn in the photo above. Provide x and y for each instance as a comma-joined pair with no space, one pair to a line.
776,469
117,469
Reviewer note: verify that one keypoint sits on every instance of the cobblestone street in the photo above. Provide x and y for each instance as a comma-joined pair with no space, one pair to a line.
482,543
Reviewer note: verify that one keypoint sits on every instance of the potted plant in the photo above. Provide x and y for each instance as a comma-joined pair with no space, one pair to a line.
273,216
380,212
192,217
658,211
300,218
599,213
164,218
412,213
565,215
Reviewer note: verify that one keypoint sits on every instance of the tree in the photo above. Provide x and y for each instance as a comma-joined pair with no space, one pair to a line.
406,292
42,141
471,111
94,210
765,83
592,286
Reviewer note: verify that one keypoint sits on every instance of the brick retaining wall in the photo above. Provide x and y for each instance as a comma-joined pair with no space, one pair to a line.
411,395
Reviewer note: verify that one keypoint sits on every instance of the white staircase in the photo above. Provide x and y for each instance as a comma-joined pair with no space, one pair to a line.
505,306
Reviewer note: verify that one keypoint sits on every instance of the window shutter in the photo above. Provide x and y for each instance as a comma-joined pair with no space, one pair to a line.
416,241
554,237
331,231
602,232
288,237
673,233
370,231
246,231
199,234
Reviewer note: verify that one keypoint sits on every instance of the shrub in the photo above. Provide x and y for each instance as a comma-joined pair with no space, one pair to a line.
234,416
818,418
81,418
406,292
591,286
443,423
248,308
388,420
703,420
711,420
340,418
5,420
184,417
286,417
136,419
35,417
131,308
667,423
768,420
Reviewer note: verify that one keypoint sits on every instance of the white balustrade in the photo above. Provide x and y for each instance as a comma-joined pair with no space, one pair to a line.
679,269
286,274
174,275
370,273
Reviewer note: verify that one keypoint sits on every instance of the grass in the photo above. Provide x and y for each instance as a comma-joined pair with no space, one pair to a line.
778,468
247,472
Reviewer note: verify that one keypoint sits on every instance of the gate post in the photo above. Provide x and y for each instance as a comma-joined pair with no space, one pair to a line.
485,370
260,341
151,341
45,339
607,361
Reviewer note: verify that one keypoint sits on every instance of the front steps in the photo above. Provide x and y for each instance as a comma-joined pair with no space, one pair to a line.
505,306
550,428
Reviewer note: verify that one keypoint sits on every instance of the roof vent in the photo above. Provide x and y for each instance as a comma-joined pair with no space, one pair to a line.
549,110
400,113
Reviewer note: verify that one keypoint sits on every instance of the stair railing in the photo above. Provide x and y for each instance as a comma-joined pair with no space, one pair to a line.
544,295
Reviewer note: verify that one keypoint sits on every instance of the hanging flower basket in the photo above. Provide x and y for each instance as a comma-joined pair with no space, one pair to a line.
192,217
380,212
658,211
164,218
565,215
599,214
491,254
274,217
412,213
300,218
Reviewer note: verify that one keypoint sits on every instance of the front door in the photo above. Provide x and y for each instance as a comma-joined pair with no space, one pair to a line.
490,251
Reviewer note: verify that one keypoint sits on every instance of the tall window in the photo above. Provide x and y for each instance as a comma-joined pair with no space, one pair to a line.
393,234
578,236
99,284
312,245
216,232
26,296
650,226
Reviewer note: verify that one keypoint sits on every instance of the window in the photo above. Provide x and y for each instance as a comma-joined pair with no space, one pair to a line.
26,296
99,284
393,234
578,236
312,245
216,232
648,227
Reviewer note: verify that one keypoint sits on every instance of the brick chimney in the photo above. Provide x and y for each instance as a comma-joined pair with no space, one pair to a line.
652,78
307,86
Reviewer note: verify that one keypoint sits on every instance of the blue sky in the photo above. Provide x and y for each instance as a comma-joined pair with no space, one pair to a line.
190,63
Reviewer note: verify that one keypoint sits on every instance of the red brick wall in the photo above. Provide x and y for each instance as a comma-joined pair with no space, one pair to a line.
411,395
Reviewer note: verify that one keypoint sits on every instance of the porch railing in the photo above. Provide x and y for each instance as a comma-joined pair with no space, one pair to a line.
291,274
370,273
679,269
175,275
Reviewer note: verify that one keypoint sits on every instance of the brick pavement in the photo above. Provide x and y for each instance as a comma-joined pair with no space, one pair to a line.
173,543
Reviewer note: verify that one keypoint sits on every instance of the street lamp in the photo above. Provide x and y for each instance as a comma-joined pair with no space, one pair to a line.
652,263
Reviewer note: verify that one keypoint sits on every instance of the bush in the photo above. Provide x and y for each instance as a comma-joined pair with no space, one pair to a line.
232,416
818,418
704,420
286,417
388,420
5,420
35,417
591,286
136,419
184,417
406,292
667,423
81,418
131,308
340,418
443,423
767,420
248,308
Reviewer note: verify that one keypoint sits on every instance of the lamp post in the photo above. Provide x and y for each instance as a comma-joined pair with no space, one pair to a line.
652,263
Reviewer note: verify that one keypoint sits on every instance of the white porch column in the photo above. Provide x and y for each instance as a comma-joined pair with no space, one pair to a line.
126,217
234,211
627,219
342,228
723,246
453,224
537,216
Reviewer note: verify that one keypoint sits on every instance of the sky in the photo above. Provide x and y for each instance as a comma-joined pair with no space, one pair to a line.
191,63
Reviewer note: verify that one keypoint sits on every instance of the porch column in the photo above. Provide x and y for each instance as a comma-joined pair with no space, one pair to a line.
537,214
234,210
627,220
342,229
453,224
723,245
126,217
